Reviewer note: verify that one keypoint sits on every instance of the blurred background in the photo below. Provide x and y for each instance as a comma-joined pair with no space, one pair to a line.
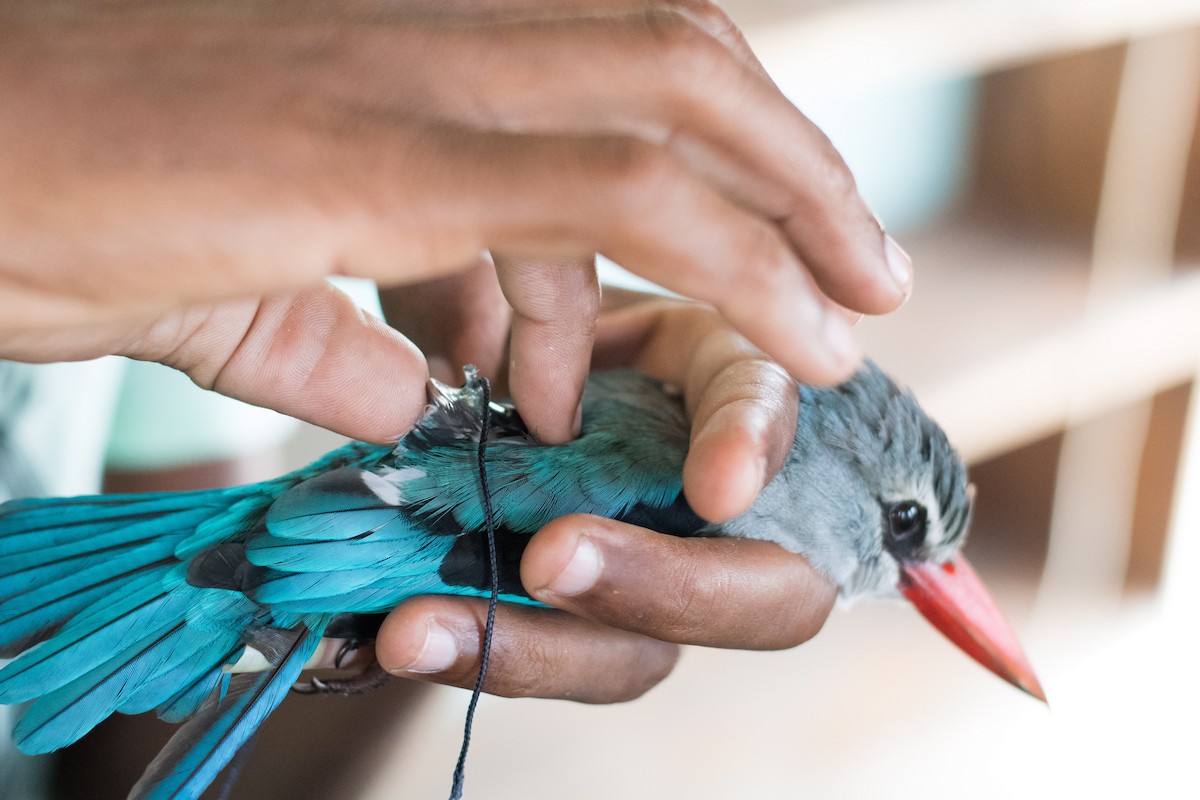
1039,160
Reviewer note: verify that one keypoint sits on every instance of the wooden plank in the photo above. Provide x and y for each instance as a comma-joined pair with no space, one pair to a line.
1002,398
869,43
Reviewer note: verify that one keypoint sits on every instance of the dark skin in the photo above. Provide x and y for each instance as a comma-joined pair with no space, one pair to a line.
172,194
634,595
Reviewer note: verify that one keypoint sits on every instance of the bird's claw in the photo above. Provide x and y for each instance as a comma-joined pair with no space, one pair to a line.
369,679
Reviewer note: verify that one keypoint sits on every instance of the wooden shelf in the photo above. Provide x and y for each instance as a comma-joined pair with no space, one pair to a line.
1002,347
874,43
1001,340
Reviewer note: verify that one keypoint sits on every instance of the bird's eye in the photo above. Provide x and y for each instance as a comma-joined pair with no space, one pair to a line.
906,527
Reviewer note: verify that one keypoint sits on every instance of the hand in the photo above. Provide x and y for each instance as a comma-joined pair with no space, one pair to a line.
166,161
633,595
531,350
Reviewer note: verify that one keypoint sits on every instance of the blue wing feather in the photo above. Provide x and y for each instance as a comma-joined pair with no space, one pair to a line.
190,697
61,716
203,745
131,627
331,555
35,522
33,615
328,505
87,641
217,650
136,651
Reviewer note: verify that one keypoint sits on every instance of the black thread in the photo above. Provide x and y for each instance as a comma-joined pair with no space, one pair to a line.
456,789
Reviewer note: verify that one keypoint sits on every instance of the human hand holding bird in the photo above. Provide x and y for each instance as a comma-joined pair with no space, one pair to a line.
870,493
786,238
746,205
652,591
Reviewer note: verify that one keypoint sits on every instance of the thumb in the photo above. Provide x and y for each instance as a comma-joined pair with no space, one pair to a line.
312,354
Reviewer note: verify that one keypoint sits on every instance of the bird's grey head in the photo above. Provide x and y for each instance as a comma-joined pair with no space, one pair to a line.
871,482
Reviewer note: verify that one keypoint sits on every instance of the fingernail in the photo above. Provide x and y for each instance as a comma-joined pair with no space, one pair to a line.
839,339
852,318
581,571
438,654
899,264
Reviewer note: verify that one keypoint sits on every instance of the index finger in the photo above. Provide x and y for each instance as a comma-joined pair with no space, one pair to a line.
685,86
742,405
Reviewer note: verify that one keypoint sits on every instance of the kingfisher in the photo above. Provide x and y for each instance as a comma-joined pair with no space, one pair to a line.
206,606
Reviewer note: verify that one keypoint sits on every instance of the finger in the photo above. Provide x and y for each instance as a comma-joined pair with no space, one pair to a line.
535,652
457,320
549,199
705,14
344,190
743,409
312,354
742,431
743,406
638,74
738,593
554,303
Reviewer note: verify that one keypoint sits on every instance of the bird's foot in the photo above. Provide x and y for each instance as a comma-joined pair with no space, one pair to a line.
368,680
370,677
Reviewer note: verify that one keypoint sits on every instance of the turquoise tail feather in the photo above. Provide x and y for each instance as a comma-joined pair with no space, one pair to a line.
96,608
203,745
101,615
59,557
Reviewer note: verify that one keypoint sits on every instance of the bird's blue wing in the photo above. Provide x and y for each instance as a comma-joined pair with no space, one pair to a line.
205,743
355,539
240,516
346,540
58,557
629,455
132,655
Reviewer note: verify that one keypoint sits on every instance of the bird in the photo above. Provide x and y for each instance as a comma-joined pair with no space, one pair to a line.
205,606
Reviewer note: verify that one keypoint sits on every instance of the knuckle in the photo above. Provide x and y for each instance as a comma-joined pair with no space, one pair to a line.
744,604
747,376
529,665
708,15
838,189
573,301
654,663
672,29
565,297
808,614
712,19
692,59
755,391
176,340
687,611
761,259
702,321
638,175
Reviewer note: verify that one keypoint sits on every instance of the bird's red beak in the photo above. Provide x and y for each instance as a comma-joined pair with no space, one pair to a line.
952,597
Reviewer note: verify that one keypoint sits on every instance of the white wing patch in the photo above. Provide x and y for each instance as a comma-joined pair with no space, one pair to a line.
254,661
386,483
